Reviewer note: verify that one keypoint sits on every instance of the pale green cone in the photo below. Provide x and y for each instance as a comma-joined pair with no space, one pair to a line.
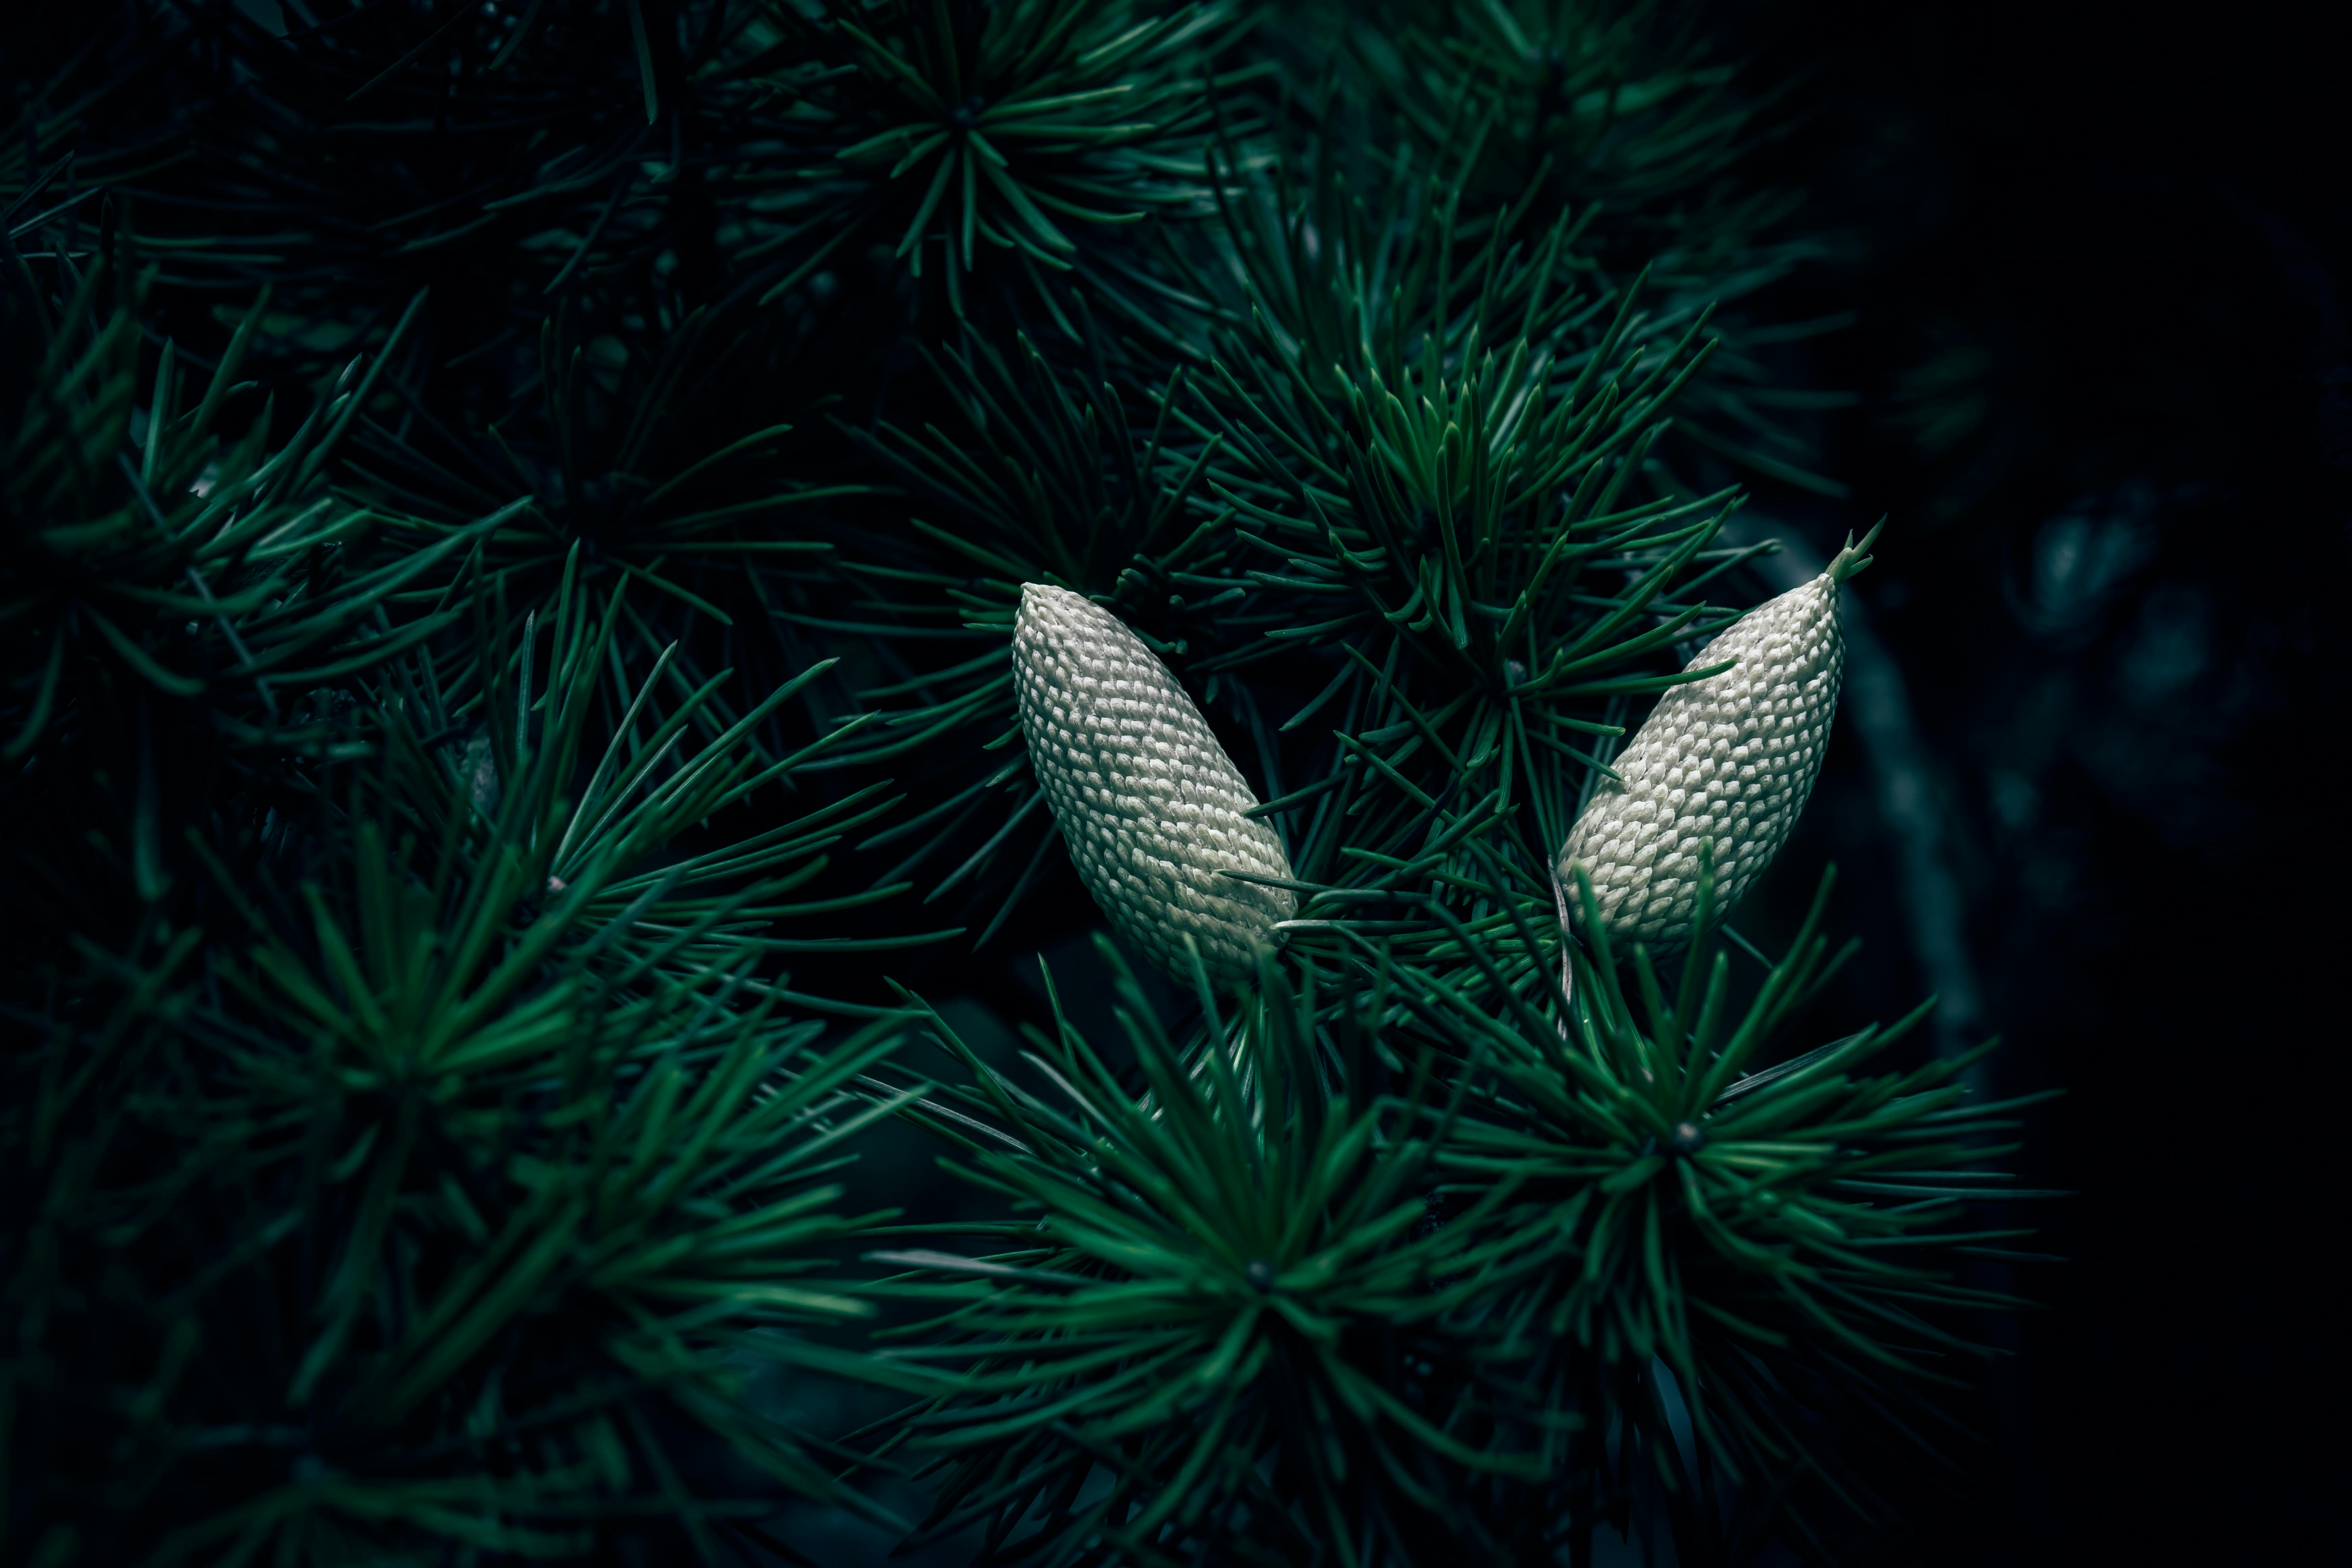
1147,801
1731,759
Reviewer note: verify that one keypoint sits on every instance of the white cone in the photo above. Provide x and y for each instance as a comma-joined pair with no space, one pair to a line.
1729,758
1148,803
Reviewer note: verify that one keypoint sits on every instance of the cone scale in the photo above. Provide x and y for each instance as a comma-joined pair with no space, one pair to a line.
1147,800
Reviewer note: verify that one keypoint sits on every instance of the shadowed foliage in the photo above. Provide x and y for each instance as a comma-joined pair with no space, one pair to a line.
515,515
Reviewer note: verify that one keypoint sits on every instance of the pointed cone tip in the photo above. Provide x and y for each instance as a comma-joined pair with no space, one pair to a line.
1850,560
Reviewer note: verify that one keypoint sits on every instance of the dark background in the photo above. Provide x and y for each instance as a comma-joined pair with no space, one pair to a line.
2099,254
2096,257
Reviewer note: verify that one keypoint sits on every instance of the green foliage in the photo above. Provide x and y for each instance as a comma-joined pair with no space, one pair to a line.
1616,104
141,543
1741,1243
501,155
1620,114
945,126
492,1155
1234,1309
457,852
1288,1324
645,459
1431,482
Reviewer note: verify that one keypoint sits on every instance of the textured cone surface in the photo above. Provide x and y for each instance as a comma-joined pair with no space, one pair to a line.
1730,759
1148,803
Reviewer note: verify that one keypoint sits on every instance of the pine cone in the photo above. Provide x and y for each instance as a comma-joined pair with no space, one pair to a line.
1731,758
1148,803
